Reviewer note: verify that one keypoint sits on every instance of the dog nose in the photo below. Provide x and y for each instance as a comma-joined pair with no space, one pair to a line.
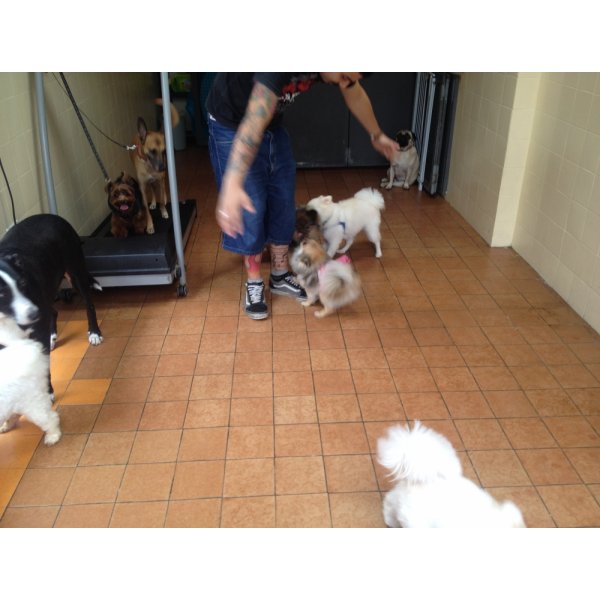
33,314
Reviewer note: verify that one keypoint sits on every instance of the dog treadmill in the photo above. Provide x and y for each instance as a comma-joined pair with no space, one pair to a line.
136,260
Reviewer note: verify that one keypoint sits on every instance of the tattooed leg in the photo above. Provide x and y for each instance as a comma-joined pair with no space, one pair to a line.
279,259
252,266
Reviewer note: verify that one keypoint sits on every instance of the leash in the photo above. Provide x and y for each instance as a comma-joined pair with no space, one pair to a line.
67,90
12,201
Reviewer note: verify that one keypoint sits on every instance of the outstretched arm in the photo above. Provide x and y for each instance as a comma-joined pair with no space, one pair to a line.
358,103
232,197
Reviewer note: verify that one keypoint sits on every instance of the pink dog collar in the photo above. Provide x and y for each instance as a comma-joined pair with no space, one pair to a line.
344,258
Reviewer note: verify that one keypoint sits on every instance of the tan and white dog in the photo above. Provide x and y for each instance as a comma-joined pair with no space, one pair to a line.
334,282
404,166
150,163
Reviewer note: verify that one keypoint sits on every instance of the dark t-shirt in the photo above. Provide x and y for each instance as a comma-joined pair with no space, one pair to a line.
228,97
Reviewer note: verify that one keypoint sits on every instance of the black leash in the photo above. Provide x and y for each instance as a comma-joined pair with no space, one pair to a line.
12,202
85,129
123,146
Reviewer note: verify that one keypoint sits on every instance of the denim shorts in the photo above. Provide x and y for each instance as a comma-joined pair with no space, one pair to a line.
270,183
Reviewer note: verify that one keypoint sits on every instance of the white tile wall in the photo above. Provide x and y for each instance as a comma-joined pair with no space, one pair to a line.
564,158
546,203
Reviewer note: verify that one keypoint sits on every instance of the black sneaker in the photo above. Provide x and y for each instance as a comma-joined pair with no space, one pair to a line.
256,307
286,285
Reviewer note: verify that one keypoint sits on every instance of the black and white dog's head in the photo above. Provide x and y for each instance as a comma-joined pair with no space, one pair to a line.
13,303
406,139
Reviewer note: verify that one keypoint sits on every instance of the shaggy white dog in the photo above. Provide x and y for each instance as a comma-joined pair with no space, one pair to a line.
431,490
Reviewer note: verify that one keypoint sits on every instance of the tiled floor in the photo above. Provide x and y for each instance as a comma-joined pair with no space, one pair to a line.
192,415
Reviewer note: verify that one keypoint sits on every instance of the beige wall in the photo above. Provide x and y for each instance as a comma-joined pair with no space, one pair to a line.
112,101
481,133
558,225
525,173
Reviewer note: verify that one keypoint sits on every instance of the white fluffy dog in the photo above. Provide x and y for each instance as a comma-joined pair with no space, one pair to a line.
24,382
345,219
431,490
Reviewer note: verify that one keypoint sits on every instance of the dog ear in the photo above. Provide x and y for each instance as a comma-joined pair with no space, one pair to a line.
142,129
312,215
327,199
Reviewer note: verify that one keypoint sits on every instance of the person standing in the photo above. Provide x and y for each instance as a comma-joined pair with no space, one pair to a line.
251,155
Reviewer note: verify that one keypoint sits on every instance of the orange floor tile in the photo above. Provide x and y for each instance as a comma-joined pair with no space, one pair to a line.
192,415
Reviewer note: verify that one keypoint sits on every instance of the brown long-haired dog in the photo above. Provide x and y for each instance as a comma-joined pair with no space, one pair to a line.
150,163
126,205
334,282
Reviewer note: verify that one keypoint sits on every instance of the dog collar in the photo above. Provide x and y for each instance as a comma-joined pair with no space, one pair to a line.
344,258
139,152
342,223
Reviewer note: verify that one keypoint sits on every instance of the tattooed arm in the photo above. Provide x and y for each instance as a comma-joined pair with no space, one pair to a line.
358,102
232,198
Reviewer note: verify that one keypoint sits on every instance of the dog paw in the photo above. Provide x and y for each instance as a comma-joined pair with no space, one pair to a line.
95,338
51,438
149,230
406,186
164,215
9,424
152,205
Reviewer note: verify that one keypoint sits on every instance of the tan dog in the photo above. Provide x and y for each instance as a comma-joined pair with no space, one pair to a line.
404,166
150,163
334,282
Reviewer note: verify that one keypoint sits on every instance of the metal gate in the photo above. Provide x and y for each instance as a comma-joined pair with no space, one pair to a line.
433,123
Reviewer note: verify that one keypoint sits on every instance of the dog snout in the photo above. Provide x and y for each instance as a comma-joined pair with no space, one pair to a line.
32,314
158,161
26,315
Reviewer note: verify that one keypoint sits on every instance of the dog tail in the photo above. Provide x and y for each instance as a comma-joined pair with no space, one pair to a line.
420,455
174,112
341,286
372,196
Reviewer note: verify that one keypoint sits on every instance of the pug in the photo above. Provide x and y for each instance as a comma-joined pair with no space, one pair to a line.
404,166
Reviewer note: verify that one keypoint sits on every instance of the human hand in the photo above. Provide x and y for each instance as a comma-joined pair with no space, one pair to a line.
385,145
232,201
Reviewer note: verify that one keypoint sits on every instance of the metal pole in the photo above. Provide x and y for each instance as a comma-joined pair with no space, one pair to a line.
43,129
166,97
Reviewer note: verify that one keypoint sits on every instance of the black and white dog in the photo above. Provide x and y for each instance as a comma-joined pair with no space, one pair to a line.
35,255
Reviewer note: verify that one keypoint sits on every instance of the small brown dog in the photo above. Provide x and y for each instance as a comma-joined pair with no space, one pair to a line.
307,226
126,205
150,163
334,282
